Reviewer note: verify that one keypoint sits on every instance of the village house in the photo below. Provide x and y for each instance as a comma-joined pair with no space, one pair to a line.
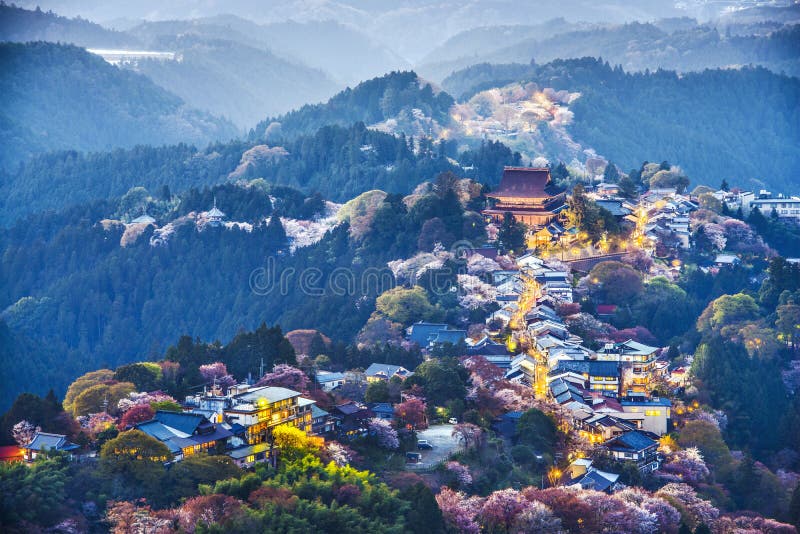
186,434
636,446
45,441
383,372
322,422
329,381
582,474
353,419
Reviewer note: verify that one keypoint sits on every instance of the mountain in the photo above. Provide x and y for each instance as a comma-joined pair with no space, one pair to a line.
22,25
346,54
742,125
410,29
641,46
236,81
370,102
61,96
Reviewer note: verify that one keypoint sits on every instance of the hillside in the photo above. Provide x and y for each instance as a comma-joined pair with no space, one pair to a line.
62,97
748,119
371,102
23,25
236,81
338,162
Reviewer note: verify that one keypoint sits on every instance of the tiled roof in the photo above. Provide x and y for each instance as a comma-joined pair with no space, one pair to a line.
45,440
590,367
386,370
634,440
530,182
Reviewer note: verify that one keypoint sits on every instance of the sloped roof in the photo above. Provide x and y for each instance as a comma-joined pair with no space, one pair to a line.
634,440
386,370
46,440
533,182
421,333
450,336
598,480
186,423
317,412
590,367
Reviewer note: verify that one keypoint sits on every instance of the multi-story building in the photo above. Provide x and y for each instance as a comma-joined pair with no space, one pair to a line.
785,207
637,364
257,410
529,194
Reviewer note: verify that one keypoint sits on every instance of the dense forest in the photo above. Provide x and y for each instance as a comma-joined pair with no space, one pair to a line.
748,117
23,25
62,97
338,162
86,291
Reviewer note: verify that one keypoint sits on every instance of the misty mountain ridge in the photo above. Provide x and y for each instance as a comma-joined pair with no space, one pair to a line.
636,46
63,97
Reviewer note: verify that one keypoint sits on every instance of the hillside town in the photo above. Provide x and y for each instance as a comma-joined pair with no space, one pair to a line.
618,396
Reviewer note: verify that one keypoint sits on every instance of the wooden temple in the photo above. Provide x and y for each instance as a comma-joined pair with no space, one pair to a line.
529,194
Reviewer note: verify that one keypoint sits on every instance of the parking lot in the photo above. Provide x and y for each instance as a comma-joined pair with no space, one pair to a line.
443,445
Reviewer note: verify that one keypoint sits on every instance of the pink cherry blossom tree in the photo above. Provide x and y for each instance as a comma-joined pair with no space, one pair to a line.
285,376
23,432
384,433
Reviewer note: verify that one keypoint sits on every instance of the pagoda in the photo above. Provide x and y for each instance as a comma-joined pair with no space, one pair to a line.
529,194
215,216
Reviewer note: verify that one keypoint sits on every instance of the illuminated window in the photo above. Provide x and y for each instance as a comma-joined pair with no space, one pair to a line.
652,413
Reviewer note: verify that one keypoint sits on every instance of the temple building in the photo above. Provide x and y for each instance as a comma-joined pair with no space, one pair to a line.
529,194
215,215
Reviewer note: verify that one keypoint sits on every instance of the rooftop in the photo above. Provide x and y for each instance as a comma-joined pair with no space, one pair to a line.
533,182
270,393
634,440
45,440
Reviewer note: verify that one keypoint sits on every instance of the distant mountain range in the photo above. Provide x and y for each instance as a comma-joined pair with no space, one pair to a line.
635,46
62,97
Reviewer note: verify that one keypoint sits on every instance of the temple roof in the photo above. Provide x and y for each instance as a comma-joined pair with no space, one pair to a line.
530,182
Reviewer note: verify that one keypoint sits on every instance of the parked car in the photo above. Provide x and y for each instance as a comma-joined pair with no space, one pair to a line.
453,421
424,445
413,458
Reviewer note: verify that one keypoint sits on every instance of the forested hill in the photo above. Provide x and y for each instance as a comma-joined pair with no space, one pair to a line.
22,25
739,124
88,288
338,162
370,102
62,97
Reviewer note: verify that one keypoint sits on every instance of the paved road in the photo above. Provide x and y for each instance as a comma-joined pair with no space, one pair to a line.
443,445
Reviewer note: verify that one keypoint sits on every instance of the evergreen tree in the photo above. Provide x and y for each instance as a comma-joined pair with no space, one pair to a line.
512,234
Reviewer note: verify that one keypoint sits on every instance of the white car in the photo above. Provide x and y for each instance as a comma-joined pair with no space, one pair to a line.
453,421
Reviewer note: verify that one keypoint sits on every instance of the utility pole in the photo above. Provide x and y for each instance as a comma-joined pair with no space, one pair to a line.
261,369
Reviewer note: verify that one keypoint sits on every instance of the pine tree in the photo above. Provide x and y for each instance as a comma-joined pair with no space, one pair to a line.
512,233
